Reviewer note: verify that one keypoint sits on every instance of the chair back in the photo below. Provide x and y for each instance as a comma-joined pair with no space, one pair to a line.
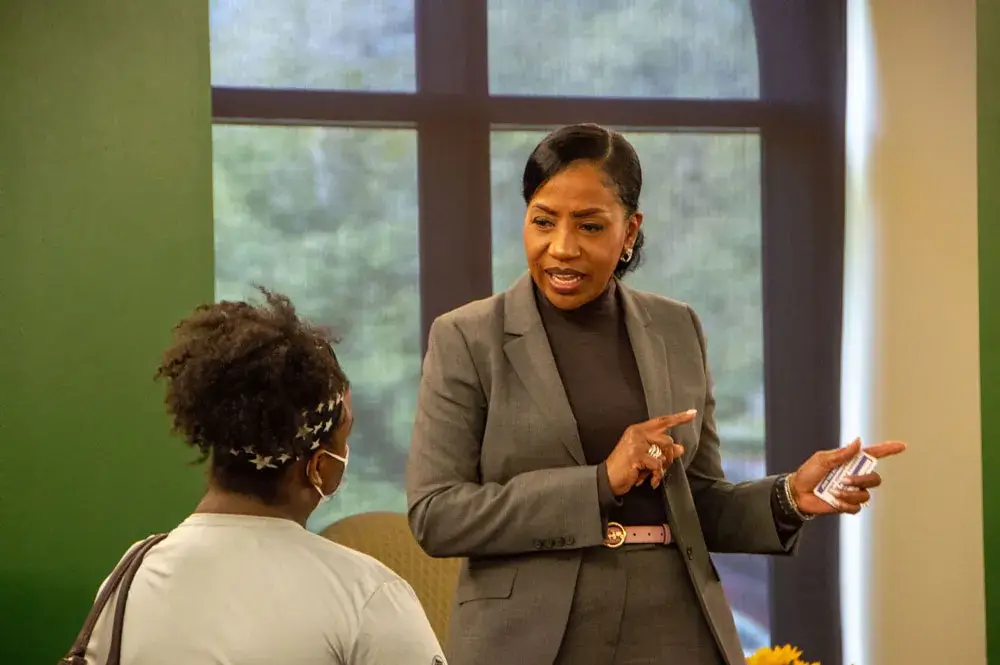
386,536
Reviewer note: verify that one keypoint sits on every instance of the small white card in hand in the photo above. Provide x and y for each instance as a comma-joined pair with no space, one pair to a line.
859,465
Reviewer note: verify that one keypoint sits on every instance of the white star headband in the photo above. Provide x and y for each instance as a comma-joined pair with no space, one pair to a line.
318,426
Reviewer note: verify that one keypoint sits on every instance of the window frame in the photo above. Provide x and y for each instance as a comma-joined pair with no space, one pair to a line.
800,118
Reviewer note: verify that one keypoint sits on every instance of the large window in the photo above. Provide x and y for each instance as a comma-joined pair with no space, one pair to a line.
368,157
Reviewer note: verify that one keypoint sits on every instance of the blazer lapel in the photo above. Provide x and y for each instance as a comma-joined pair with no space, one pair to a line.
650,355
527,348
650,352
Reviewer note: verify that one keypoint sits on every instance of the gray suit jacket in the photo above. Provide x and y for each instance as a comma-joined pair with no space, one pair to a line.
497,474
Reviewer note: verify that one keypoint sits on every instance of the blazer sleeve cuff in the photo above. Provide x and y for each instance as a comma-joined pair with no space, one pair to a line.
605,497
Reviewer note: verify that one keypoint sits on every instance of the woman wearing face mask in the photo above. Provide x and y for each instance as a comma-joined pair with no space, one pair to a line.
565,443
261,395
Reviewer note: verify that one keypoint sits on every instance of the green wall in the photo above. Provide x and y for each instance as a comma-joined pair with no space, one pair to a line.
105,241
988,40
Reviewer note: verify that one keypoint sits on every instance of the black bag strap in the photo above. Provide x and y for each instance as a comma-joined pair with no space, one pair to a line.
120,578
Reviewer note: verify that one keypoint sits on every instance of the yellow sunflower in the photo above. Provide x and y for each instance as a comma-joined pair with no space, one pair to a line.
786,655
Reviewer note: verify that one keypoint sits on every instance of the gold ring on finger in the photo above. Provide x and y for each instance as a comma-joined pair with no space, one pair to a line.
654,451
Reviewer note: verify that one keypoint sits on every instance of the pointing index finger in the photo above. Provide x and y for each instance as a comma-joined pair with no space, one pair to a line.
886,449
674,419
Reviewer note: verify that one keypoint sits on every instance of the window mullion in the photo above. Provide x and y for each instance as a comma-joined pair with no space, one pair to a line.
453,156
803,242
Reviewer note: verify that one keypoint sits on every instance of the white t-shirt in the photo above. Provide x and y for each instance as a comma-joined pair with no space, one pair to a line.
244,590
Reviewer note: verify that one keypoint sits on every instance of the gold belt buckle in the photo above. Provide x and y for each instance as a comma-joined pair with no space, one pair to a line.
614,536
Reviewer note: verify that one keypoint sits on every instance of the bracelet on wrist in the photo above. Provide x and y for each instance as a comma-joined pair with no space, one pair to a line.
787,500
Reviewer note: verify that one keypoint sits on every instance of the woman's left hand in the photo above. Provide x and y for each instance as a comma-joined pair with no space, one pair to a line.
855,496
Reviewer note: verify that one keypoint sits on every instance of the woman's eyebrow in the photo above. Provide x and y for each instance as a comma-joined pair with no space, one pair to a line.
585,212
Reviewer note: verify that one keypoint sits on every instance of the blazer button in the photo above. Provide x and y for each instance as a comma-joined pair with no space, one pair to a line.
538,544
690,554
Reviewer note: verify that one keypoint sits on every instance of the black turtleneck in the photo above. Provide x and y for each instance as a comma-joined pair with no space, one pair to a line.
594,356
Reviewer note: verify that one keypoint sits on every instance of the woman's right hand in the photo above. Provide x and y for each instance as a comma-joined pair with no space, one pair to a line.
630,463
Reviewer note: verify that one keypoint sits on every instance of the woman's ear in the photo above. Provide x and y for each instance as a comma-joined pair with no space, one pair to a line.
312,468
634,222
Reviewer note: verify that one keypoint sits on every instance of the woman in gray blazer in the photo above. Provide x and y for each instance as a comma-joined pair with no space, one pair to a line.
565,444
